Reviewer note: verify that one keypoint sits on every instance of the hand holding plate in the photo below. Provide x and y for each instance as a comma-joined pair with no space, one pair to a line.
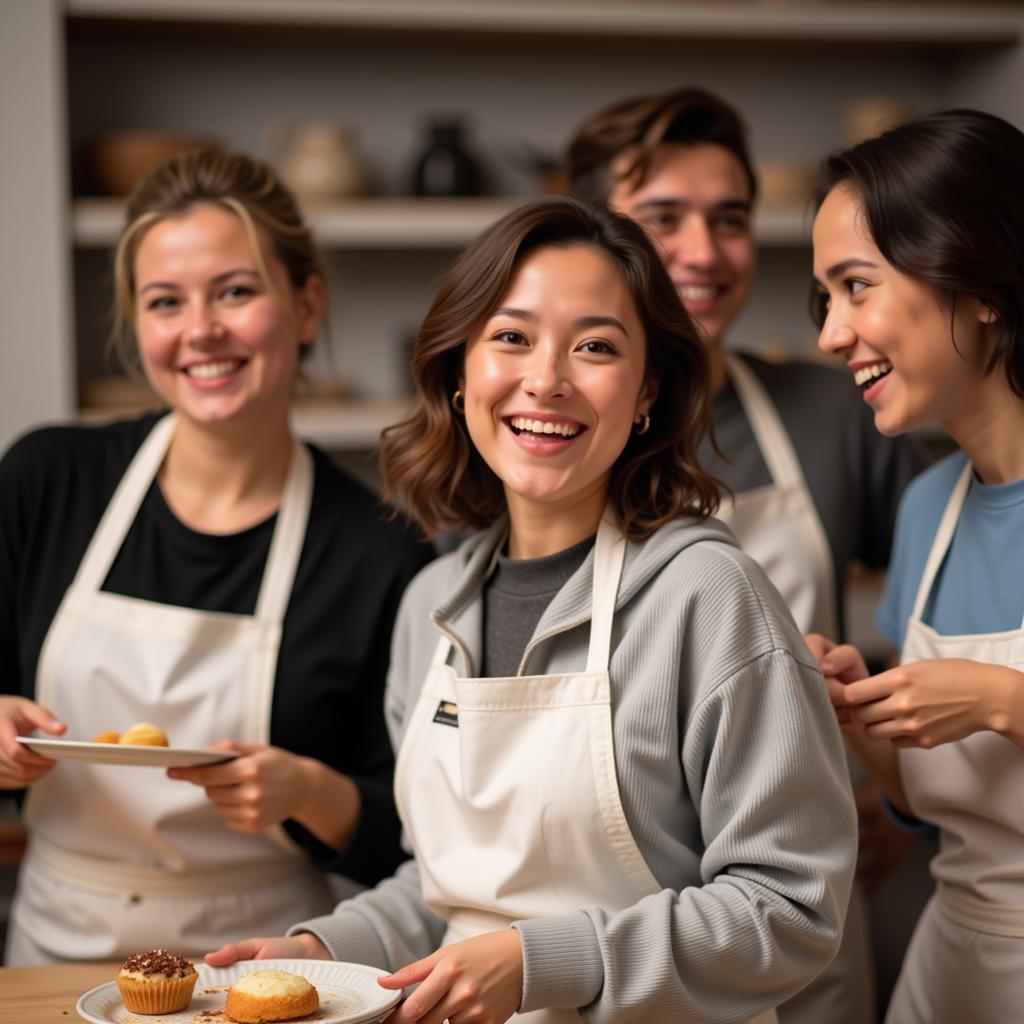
270,947
20,766
262,787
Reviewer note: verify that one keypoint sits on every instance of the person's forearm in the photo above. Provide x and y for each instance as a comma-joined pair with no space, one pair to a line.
1006,712
332,805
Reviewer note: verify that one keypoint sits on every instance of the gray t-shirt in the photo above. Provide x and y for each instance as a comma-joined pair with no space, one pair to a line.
515,597
856,475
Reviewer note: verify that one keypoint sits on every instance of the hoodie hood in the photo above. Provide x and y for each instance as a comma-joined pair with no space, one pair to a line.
460,616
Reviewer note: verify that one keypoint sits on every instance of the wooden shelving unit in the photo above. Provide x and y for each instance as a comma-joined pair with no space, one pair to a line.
522,70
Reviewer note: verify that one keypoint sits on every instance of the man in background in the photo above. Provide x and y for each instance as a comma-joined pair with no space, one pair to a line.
814,484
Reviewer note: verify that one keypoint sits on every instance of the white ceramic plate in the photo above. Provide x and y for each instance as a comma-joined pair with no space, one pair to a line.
349,994
124,753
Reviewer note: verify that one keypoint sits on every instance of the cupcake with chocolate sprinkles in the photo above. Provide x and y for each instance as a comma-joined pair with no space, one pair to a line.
156,982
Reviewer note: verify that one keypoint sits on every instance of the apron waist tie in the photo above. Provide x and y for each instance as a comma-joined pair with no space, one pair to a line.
979,915
121,877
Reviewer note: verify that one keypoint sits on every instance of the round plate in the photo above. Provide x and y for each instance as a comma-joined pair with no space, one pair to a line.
349,994
124,753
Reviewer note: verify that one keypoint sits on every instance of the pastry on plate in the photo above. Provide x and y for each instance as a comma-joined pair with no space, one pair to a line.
108,736
270,995
156,982
142,734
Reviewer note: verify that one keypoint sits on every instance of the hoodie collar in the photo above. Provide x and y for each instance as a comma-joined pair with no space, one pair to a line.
460,617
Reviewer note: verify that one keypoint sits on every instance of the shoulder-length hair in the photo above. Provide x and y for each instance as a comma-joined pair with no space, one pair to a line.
429,464
941,196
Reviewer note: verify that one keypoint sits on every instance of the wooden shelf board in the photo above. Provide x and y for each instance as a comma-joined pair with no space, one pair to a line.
405,223
337,426
945,24
348,426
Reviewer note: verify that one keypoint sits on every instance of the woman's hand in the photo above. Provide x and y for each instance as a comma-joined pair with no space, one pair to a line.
261,788
267,785
843,667
478,981
840,664
939,700
271,947
19,766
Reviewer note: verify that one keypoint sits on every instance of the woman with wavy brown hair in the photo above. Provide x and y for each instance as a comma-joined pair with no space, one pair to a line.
617,772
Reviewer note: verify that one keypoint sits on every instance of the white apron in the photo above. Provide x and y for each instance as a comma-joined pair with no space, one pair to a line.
778,525
966,960
500,829
122,859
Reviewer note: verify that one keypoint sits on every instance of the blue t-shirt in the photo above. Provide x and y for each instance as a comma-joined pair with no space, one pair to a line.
980,585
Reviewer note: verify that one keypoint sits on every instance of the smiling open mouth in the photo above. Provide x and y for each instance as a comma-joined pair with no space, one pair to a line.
543,430
869,375
698,293
210,371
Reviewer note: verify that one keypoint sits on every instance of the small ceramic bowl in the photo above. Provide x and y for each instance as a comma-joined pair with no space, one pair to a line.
121,159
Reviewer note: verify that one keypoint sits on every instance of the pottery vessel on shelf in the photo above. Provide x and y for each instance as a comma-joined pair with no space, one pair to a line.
121,159
786,183
320,162
867,116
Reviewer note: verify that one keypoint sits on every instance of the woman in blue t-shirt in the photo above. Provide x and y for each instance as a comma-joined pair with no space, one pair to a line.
919,262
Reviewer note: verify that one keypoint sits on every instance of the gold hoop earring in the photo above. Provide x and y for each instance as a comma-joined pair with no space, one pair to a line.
644,425
459,402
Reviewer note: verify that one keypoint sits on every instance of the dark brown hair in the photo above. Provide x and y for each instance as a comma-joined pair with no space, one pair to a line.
941,196
429,464
638,126
242,185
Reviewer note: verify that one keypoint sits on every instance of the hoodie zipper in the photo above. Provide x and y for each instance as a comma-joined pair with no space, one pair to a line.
537,641
455,640
467,661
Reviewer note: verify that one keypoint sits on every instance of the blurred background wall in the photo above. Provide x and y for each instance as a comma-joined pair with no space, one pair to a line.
93,89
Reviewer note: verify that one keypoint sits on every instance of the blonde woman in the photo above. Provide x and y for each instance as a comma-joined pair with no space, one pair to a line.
203,570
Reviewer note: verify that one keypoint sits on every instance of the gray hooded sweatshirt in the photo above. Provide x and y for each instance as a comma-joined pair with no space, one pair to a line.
731,774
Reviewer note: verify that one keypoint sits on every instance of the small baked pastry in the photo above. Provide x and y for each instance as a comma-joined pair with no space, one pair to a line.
156,982
142,734
107,737
269,995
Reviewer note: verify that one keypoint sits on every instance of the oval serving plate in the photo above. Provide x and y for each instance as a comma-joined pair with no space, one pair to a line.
349,994
124,753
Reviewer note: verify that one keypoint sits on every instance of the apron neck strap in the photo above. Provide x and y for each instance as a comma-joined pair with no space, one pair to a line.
769,432
609,555
289,535
943,538
124,506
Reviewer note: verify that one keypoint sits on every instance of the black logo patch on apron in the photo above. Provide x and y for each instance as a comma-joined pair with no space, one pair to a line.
447,713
